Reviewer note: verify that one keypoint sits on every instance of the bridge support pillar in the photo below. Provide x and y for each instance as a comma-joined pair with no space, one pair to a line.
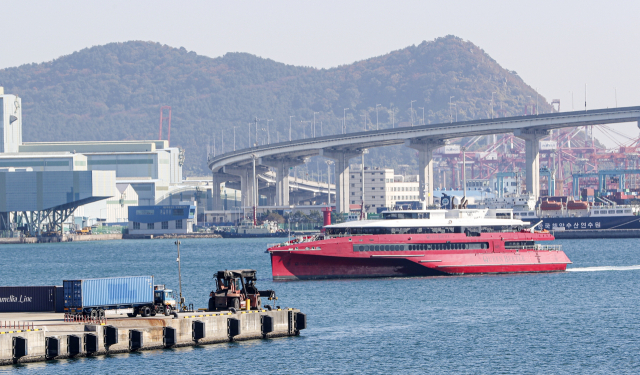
218,179
341,159
246,184
425,149
532,151
282,167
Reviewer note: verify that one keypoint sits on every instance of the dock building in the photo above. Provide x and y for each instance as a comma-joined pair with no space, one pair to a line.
153,220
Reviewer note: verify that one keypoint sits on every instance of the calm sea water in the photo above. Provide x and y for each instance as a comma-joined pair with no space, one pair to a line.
583,321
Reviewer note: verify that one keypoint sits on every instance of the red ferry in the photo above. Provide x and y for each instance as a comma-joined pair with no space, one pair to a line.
420,243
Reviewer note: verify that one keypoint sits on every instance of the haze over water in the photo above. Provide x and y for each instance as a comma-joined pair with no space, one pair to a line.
583,321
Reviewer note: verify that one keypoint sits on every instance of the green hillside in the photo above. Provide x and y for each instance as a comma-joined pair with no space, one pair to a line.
114,92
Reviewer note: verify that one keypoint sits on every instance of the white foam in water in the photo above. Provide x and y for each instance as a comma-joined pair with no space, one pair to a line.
604,268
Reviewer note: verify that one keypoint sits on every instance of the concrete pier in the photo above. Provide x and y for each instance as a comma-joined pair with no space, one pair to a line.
53,338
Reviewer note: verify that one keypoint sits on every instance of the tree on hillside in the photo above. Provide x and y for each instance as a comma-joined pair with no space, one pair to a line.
114,92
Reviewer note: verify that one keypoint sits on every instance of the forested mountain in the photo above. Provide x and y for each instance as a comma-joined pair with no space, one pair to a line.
114,92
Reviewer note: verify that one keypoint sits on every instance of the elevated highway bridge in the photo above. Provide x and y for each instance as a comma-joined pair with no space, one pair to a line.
242,165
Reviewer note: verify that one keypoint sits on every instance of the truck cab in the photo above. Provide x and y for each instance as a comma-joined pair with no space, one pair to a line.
164,300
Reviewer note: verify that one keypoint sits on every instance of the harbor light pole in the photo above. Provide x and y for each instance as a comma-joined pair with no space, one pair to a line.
377,127
234,138
180,277
422,108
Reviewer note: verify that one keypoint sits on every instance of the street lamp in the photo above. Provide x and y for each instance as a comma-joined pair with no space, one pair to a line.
255,189
464,172
314,124
290,127
412,111
422,108
492,103
344,121
304,130
377,127
329,162
393,117
450,116
256,121
268,132
365,122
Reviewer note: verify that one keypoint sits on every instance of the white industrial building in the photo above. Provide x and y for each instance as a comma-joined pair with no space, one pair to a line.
11,122
118,206
147,171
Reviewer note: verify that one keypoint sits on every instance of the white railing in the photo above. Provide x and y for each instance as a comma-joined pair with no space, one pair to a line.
536,247
548,247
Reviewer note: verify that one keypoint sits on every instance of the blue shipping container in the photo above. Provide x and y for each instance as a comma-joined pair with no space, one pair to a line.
111,291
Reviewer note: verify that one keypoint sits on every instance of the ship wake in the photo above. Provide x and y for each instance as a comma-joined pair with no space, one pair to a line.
604,268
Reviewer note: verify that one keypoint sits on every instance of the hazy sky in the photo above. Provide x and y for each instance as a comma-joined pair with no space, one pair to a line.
555,46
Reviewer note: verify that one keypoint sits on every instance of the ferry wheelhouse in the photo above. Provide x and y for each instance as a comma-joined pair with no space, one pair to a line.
420,243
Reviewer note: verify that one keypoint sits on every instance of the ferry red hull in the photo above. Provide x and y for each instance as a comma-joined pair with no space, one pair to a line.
336,258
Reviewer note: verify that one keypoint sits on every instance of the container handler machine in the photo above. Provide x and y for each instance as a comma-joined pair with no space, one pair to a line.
237,288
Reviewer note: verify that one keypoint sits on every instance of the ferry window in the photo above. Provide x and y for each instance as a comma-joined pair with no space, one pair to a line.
618,211
518,244
596,212
612,211
627,211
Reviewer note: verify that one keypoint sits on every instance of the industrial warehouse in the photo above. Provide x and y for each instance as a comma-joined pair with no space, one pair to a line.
57,187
